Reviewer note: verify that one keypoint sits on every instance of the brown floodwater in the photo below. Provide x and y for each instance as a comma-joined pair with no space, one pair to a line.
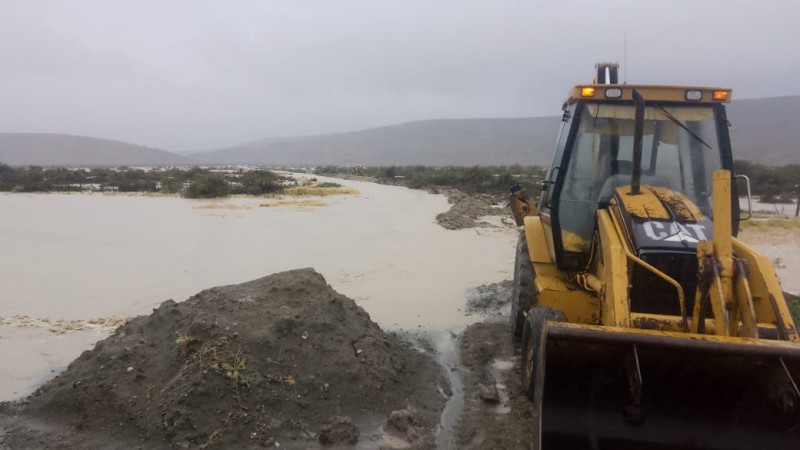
69,259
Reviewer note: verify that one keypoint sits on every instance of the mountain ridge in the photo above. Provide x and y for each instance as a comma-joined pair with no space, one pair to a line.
762,130
55,149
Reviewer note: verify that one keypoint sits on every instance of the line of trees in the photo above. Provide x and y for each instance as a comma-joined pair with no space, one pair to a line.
773,184
474,179
770,183
194,182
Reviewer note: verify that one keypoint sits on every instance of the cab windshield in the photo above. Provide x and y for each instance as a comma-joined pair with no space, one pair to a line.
679,151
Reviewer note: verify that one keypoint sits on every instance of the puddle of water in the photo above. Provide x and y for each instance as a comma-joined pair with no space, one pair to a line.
499,368
446,345
31,356
503,365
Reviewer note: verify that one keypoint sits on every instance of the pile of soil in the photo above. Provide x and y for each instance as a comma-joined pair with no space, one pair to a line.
282,361
467,209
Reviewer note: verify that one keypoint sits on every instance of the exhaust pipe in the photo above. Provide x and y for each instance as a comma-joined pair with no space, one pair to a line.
638,134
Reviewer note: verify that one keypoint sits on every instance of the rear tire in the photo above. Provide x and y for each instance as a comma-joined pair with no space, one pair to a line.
531,344
524,296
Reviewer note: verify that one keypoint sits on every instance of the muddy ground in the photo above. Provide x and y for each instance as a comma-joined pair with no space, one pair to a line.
286,362
496,413
282,361
468,211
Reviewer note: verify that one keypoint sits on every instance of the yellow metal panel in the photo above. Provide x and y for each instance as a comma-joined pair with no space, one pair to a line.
537,244
644,206
614,271
649,92
682,207
764,283
578,305
649,204
723,250
551,284
766,343
661,322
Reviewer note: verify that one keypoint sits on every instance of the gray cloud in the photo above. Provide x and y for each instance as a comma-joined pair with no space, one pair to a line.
190,75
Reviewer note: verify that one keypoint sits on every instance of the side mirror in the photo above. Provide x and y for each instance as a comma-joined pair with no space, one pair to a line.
749,198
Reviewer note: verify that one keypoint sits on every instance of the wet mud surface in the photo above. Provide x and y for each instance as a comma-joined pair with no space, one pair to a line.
70,281
470,211
283,361
279,361
496,413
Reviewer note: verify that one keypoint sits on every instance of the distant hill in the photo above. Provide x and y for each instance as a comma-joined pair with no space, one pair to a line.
763,130
23,149
428,142
766,130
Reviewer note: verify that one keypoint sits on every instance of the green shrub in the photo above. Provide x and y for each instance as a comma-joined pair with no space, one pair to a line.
258,182
207,186
172,186
794,306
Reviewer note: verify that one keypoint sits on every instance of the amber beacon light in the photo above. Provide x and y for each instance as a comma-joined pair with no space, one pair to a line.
720,95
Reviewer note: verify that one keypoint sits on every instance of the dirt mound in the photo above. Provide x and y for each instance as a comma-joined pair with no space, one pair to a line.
272,361
467,209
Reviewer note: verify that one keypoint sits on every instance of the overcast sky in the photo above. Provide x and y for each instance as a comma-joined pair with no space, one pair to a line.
194,75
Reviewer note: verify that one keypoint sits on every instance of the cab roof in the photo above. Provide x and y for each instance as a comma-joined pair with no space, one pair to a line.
651,93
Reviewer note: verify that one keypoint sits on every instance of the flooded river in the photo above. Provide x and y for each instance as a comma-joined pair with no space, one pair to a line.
69,258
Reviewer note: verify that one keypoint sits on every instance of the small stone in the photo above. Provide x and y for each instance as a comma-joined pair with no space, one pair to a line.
401,419
488,394
339,430
130,369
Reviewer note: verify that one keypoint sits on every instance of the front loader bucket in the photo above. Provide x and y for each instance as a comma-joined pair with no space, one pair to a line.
601,387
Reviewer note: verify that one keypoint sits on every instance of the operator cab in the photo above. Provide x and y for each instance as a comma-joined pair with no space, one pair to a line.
684,139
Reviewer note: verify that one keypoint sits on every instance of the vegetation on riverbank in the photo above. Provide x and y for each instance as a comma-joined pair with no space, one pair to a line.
190,182
794,306
759,224
773,184
472,180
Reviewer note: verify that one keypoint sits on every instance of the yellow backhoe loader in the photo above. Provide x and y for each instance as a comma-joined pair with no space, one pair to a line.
644,322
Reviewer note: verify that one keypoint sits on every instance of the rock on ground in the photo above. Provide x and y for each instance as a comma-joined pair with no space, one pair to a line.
257,364
339,431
